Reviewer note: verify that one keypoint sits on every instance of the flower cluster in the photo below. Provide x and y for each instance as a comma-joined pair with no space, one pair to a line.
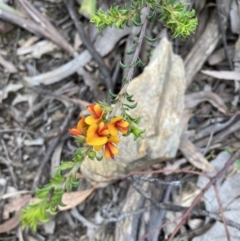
100,132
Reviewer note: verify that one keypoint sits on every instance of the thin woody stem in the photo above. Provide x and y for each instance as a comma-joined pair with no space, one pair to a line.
134,59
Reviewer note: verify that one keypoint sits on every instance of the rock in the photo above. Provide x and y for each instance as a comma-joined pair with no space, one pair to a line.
159,91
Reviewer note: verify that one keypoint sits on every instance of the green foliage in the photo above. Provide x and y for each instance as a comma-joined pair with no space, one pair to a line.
50,196
136,132
178,19
175,15
113,17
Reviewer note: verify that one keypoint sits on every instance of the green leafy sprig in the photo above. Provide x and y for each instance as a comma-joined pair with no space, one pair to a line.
174,14
50,196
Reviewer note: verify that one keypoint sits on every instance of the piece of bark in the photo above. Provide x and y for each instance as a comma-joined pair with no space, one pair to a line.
203,48
194,99
159,91
207,43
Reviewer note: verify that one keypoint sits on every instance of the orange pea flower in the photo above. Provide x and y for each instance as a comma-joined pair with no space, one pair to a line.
117,124
82,125
80,129
110,149
97,134
75,132
96,114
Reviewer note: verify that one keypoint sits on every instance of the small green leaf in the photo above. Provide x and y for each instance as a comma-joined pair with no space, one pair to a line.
152,16
88,7
129,99
136,132
92,154
112,94
131,52
131,106
123,66
99,158
150,40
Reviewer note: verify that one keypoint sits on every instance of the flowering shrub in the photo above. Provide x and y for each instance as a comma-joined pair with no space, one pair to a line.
99,133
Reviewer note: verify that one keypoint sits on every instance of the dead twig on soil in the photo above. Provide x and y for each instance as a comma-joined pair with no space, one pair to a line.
8,163
222,19
51,147
198,198
46,30
177,208
87,43
222,212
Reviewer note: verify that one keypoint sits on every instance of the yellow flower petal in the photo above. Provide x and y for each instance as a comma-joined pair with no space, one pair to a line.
90,120
93,139
116,119
82,126
107,153
103,129
97,110
114,139
112,129
98,148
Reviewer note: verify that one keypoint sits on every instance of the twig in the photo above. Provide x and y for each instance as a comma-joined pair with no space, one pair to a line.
177,208
74,212
8,65
43,21
196,211
222,212
8,163
222,17
157,181
51,147
135,57
198,198
124,215
87,43
19,130
30,26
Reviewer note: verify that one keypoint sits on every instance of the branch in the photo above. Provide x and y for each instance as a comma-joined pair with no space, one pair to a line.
199,197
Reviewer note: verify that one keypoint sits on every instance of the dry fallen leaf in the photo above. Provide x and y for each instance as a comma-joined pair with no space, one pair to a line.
234,17
226,75
219,55
38,49
15,205
192,100
9,224
8,65
72,199
195,157
11,87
